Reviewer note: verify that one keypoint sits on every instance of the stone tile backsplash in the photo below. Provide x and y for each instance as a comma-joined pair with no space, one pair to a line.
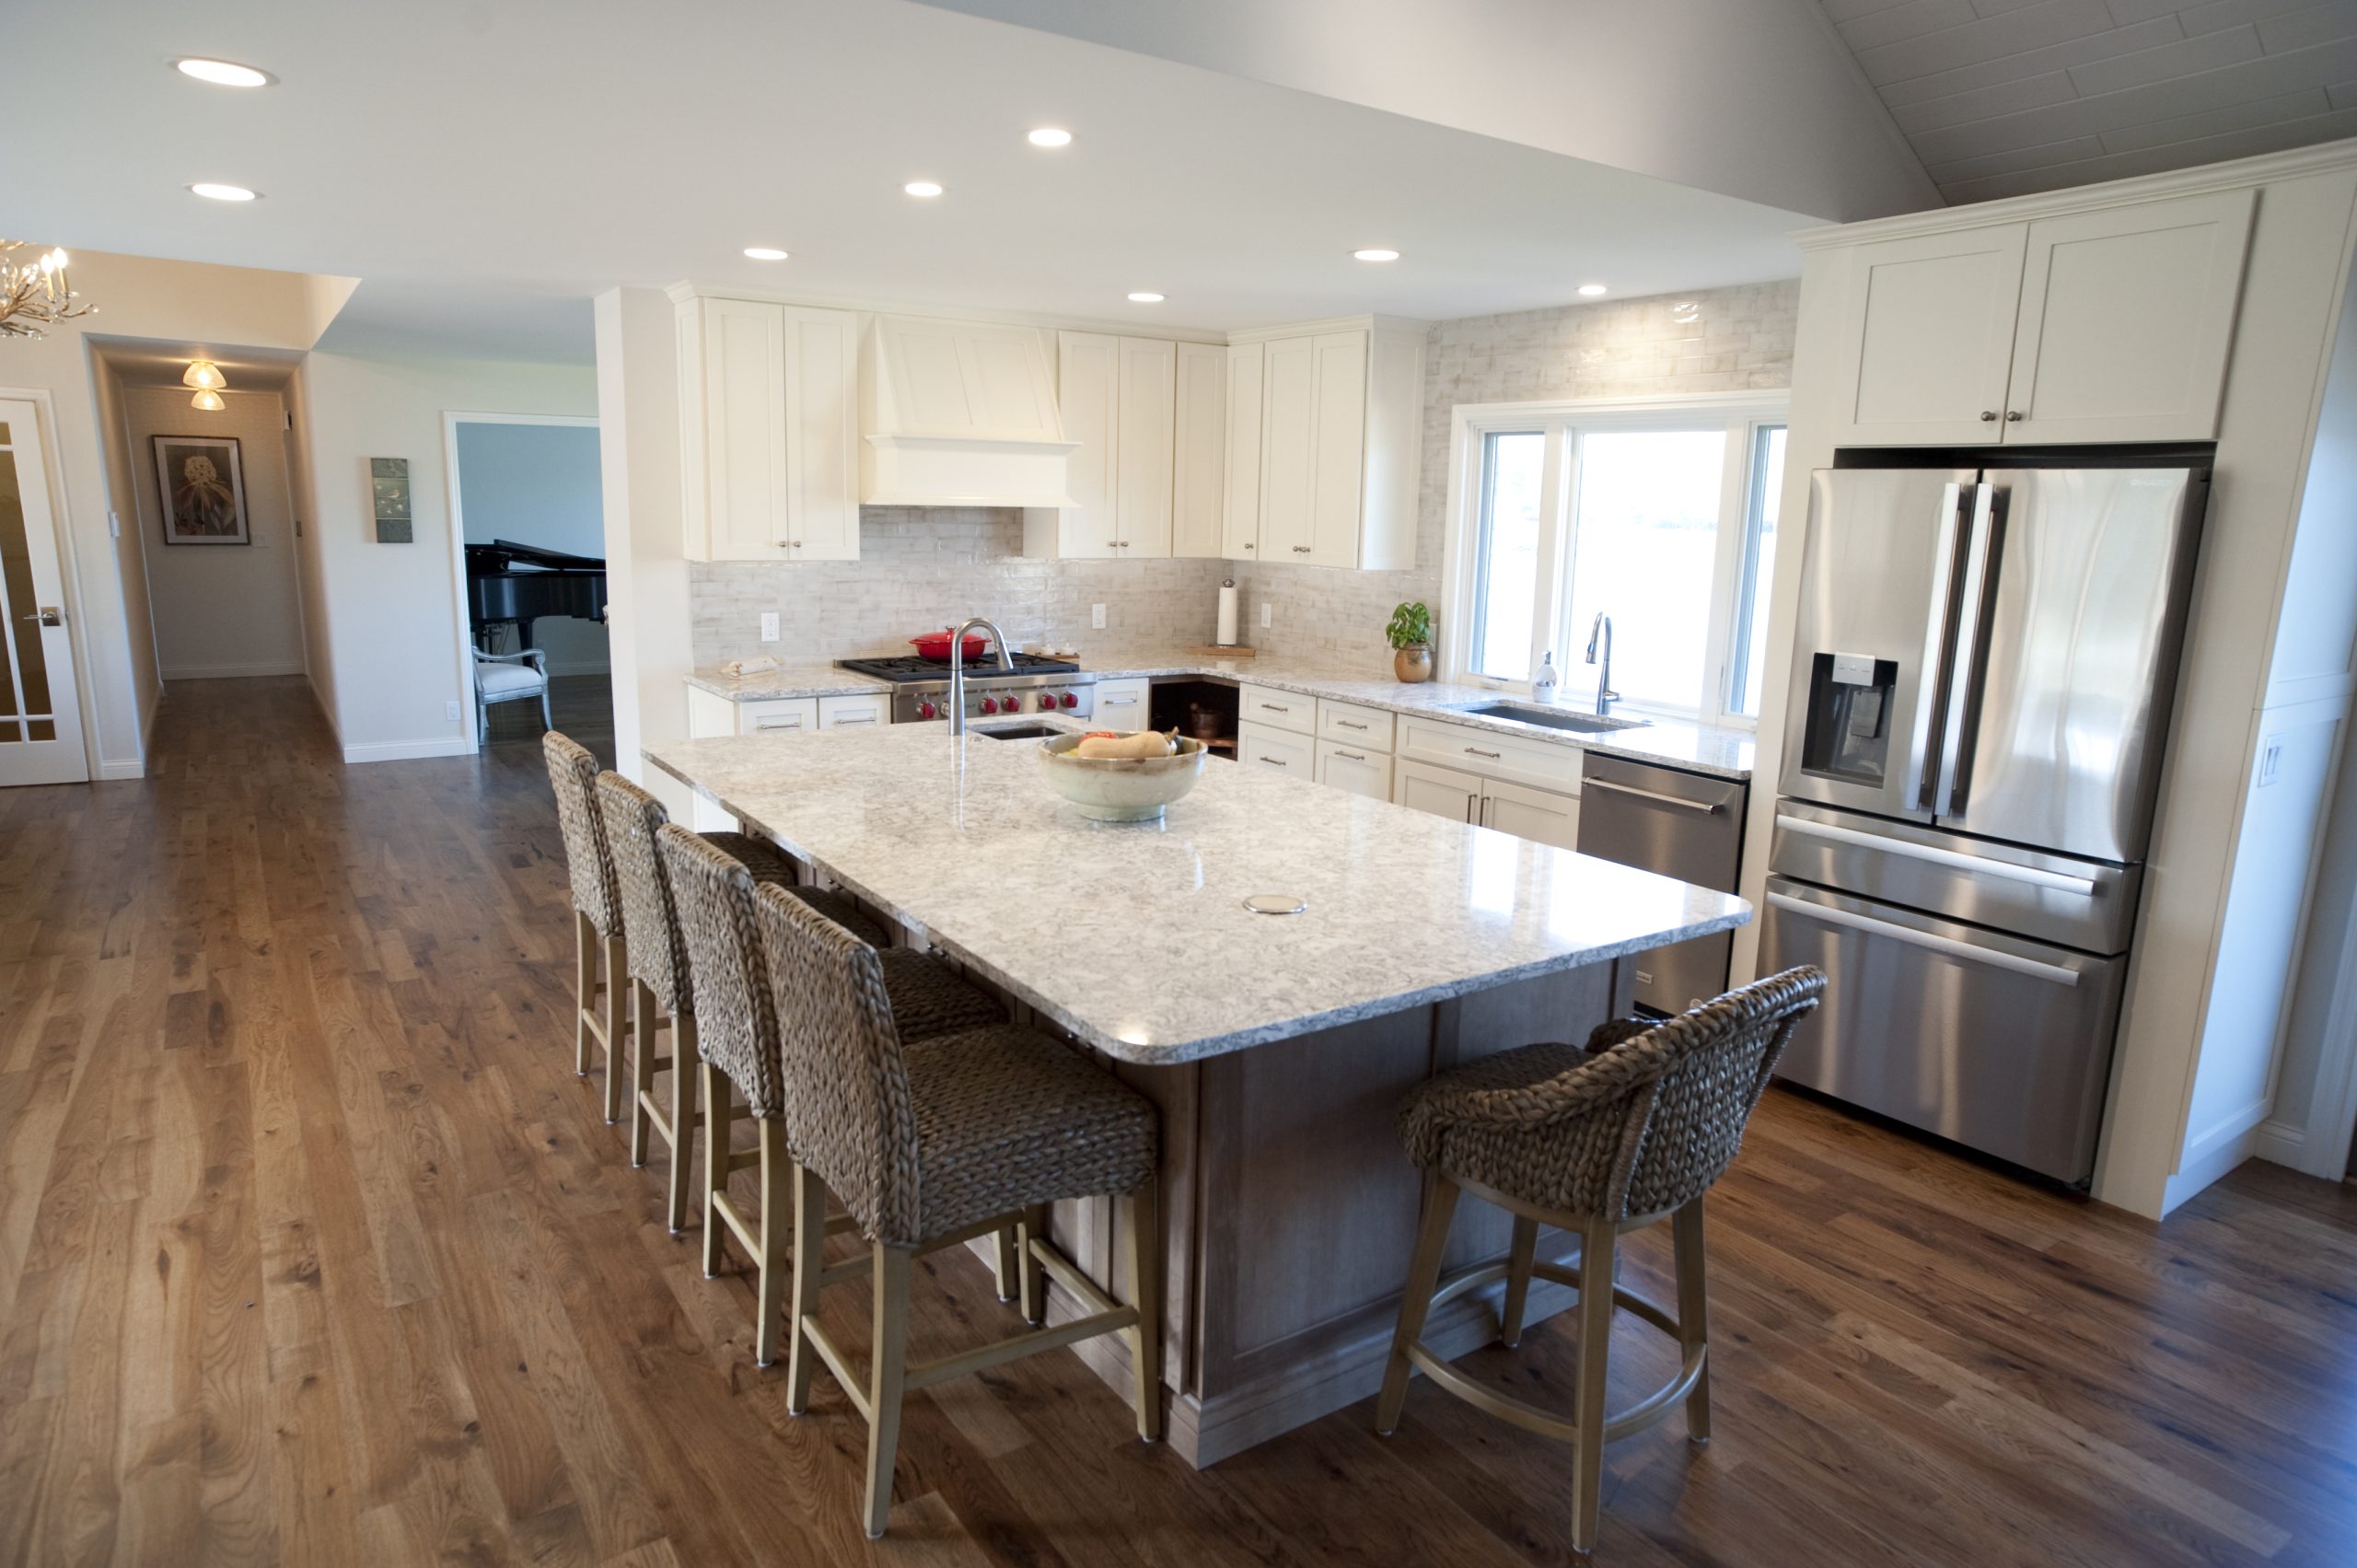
921,567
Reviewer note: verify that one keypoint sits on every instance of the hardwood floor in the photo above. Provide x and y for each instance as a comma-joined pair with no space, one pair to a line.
313,1250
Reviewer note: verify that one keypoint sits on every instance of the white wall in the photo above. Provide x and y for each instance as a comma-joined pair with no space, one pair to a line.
118,461
310,571
395,625
538,485
220,609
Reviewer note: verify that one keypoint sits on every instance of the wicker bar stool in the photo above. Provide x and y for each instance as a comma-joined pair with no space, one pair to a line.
661,993
930,1142
737,1034
599,1018
1629,1130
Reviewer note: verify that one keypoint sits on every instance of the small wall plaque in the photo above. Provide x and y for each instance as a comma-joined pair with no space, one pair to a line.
388,499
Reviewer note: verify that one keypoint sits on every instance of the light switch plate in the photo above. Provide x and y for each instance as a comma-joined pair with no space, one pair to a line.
768,626
450,711
1266,607
1096,618
2270,758
115,526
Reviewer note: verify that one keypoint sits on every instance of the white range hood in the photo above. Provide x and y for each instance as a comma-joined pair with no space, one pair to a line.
959,414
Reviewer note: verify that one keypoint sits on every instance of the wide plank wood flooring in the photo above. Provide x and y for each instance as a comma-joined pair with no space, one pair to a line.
314,1250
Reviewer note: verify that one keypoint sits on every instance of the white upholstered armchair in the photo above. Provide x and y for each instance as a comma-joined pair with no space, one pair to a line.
508,677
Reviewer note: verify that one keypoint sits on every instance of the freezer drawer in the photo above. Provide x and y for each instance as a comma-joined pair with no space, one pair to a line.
1997,1043
1679,824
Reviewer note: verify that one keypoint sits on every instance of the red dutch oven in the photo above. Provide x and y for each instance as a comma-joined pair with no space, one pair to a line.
935,646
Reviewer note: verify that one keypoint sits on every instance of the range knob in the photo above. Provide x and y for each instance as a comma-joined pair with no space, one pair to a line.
1069,701
990,704
926,710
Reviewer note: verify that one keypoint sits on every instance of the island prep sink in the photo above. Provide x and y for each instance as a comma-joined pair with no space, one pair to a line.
1550,718
1032,731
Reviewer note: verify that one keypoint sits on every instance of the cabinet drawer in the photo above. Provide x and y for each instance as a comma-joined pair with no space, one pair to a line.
1365,729
1123,705
783,715
855,712
1262,747
1359,770
1541,764
1280,710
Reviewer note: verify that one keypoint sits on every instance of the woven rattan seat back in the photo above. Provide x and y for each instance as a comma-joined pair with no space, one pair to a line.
850,1117
572,773
736,1030
650,916
1642,1127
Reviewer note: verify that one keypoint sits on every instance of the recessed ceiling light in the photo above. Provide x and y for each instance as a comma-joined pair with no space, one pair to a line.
1146,297
207,399
1049,136
212,193
1375,254
764,253
222,72
921,188
1591,289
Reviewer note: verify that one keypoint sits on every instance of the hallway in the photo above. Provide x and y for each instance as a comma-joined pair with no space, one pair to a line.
313,1250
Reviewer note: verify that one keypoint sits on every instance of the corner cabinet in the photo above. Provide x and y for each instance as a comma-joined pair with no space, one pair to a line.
768,422
2108,325
1148,419
1325,445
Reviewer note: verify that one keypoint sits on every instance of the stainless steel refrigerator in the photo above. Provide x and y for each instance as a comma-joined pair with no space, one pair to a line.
1982,674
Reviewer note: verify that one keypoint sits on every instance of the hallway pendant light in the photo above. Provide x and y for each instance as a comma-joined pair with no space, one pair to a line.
209,400
205,373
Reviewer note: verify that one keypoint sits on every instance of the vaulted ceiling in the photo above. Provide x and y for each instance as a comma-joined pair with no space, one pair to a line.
2002,97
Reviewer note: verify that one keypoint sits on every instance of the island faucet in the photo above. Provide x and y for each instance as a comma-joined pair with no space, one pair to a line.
1601,631
957,665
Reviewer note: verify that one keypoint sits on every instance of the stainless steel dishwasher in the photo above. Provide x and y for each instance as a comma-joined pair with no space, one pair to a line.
1684,825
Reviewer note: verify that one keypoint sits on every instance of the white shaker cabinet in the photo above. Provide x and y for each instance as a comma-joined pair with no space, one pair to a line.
769,430
1199,475
1119,399
1539,815
2108,325
1340,444
1240,506
1288,446
1444,792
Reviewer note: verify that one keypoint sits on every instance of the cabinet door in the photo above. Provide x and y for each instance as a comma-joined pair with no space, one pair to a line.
822,434
1538,815
1200,440
746,467
1930,338
1339,463
1088,395
783,716
1145,409
1257,746
2127,316
1121,704
1288,447
1240,512
861,712
1355,770
1444,792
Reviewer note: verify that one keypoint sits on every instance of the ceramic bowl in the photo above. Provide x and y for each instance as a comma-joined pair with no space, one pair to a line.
1121,789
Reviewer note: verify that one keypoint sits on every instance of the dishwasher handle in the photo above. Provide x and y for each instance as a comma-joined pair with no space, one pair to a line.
1707,807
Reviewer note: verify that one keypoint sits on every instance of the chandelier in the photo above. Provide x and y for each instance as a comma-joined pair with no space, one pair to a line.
34,293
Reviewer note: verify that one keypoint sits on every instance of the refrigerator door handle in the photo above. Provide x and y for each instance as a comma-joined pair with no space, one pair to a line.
1978,865
1968,663
1932,699
1925,939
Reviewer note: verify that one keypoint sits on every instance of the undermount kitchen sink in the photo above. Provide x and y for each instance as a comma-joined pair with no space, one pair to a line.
1550,718
1034,731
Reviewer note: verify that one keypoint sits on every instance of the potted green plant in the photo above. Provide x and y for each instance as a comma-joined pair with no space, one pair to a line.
1410,633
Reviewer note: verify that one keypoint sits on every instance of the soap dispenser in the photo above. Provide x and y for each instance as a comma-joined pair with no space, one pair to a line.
1542,689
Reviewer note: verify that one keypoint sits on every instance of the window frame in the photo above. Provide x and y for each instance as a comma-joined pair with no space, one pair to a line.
1563,422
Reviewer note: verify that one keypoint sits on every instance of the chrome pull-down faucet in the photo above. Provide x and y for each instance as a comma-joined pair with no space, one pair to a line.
1601,633
957,665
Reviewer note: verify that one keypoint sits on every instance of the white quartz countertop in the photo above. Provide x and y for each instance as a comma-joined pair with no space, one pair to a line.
1134,936
1697,748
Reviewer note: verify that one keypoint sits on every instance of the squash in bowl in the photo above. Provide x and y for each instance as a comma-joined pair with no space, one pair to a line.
1122,789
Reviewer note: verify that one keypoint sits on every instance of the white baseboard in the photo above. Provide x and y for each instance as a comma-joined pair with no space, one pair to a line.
2219,1156
130,768
234,671
406,750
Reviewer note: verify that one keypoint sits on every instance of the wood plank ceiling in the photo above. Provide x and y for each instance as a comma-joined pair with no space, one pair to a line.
2002,97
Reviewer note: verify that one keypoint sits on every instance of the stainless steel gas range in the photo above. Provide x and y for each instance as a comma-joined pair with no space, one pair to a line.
1036,685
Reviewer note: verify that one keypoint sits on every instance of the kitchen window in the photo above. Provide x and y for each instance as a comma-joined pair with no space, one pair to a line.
1661,515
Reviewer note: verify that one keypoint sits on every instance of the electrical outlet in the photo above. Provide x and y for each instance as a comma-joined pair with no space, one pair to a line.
1096,618
768,626
1266,609
2271,757
450,711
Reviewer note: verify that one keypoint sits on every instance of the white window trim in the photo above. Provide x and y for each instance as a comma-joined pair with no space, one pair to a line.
1737,412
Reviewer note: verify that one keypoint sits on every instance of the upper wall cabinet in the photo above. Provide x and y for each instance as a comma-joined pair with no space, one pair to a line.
1199,481
1146,417
2110,325
768,422
1326,474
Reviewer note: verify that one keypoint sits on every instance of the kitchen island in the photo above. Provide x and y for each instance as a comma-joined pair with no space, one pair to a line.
1277,1046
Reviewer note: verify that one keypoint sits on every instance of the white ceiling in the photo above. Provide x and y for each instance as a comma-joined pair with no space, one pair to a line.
1999,97
487,168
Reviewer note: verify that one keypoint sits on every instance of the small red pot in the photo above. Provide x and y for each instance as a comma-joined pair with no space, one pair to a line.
935,646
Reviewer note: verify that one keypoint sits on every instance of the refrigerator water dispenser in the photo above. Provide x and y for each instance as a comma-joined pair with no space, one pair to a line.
1848,733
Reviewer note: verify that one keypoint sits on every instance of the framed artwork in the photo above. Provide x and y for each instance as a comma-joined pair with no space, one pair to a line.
202,490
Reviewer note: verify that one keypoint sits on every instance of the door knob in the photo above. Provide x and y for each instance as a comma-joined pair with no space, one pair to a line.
50,615
1988,416
2012,416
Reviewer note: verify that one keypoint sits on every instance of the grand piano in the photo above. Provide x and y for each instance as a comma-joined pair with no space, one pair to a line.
515,585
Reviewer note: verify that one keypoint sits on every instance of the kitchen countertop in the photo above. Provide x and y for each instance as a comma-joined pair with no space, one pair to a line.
1133,936
1697,748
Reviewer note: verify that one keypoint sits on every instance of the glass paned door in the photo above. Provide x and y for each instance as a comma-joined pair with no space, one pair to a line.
41,726
1645,539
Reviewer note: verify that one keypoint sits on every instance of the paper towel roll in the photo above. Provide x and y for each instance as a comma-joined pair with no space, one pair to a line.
1226,638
